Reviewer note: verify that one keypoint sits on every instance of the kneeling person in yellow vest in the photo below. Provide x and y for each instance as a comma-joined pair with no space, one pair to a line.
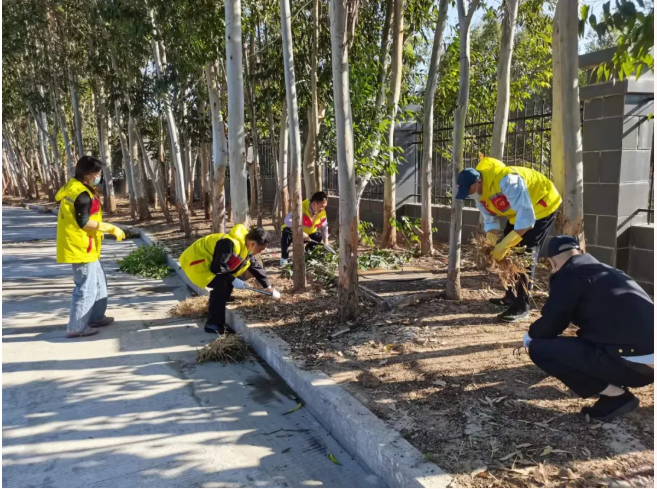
217,260
80,229
529,201
314,222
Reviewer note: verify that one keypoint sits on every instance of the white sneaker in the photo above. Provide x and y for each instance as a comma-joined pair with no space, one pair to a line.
283,262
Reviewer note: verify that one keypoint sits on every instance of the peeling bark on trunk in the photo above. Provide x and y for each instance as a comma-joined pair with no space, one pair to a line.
299,265
453,289
389,235
426,239
348,268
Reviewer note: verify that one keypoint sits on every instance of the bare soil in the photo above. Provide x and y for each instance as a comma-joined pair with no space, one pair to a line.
457,384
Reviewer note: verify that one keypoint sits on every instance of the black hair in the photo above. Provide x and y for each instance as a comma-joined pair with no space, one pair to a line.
259,236
318,197
86,166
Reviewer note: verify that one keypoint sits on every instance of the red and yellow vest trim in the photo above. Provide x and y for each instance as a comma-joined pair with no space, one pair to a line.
310,224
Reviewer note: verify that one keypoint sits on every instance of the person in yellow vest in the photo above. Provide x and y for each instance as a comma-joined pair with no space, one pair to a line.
315,225
529,201
218,260
80,229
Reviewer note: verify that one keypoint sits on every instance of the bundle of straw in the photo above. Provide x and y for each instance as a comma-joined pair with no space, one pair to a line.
515,263
228,348
192,307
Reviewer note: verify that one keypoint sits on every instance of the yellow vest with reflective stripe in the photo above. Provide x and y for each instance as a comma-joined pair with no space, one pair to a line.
542,192
76,245
309,223
196,260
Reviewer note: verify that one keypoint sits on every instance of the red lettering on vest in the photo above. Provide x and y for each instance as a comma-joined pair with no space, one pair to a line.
196,262
500,202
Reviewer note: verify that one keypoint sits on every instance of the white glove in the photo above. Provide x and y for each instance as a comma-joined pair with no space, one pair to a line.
526,340
239,284
274,293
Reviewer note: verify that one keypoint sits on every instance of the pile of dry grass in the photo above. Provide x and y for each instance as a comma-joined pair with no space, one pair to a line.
228,348
514,263
192,307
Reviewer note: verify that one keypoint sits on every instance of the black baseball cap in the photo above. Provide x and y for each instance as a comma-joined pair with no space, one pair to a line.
559,244
464,181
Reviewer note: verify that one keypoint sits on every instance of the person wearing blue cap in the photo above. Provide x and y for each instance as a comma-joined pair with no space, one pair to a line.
614,347
529,201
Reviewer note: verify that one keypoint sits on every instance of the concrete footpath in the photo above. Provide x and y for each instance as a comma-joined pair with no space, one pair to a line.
129,407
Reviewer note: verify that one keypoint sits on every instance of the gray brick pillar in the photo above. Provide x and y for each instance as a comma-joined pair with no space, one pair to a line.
617,140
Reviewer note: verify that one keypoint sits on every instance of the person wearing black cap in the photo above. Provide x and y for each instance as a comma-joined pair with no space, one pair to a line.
614,347
529,201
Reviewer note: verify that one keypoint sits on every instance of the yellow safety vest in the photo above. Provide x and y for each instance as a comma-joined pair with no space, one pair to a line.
542,192
196,260
76,245
309,223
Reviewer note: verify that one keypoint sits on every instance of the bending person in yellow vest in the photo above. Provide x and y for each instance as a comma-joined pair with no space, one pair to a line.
529,201
217,260
80,229
314,222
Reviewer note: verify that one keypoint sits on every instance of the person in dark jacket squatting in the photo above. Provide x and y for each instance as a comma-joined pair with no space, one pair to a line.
217,261
529,201
614,348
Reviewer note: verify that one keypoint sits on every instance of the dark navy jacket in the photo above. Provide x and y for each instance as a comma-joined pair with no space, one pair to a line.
610,309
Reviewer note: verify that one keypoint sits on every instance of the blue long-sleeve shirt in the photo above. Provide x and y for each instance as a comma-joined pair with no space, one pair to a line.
515,190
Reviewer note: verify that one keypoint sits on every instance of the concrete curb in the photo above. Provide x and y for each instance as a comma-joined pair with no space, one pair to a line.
38,208
366,437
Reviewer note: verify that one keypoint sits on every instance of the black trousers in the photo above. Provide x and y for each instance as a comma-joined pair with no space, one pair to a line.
221,287
586,368
286,241
533,241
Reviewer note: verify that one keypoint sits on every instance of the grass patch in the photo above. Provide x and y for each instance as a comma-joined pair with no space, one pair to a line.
192,307
228,348
149,261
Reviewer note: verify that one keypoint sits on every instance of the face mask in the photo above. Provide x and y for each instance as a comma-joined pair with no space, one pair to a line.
96,181
475,196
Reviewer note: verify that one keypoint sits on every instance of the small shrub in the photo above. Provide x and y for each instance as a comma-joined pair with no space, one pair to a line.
410,229
146,261
365,233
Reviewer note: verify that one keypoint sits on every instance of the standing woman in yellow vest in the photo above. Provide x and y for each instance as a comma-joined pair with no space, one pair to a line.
529,201
315,225
217,260
79,234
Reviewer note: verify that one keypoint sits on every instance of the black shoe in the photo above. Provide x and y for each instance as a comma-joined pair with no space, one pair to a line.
607,407
513,314
214,329
505,301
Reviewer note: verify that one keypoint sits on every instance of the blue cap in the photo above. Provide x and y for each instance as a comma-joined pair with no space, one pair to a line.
464,181
559,244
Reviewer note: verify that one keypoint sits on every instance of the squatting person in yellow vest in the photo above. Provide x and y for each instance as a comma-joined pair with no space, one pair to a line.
217,260
529,201
80,229
315,225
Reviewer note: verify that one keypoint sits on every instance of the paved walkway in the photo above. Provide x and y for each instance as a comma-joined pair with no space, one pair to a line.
129,407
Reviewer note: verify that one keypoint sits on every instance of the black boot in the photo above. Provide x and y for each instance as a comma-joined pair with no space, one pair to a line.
214,329
607,407
506,301
516,312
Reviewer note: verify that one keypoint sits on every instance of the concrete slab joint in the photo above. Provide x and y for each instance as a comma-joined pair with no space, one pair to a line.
366,437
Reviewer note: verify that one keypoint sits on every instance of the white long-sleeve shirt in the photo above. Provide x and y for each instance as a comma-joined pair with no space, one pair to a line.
515,190
323,228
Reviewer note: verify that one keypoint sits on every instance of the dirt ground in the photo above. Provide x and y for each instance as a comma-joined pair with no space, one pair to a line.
457,384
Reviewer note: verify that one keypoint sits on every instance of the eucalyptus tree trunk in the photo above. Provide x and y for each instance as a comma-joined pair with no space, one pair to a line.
453,289
219,149
389,235
60,167
136,164
256,183
61,115
49,178
77,119
310,165
236,147
382,88
299,265
187,161
127,164
283,173
314,108
105,149
426,239
205,163
276,209
504,79
571,165
160,56
348,269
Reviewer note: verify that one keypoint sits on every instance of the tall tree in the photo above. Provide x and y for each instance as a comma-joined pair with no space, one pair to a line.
348,271
236,145
504,78
453,289
219,150
426,239
299,265
389,236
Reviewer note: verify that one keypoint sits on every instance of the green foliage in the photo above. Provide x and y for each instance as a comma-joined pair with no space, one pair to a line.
410,229
146,261
365,232
383,258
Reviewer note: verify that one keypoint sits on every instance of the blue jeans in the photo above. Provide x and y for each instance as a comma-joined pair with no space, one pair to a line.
89,296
